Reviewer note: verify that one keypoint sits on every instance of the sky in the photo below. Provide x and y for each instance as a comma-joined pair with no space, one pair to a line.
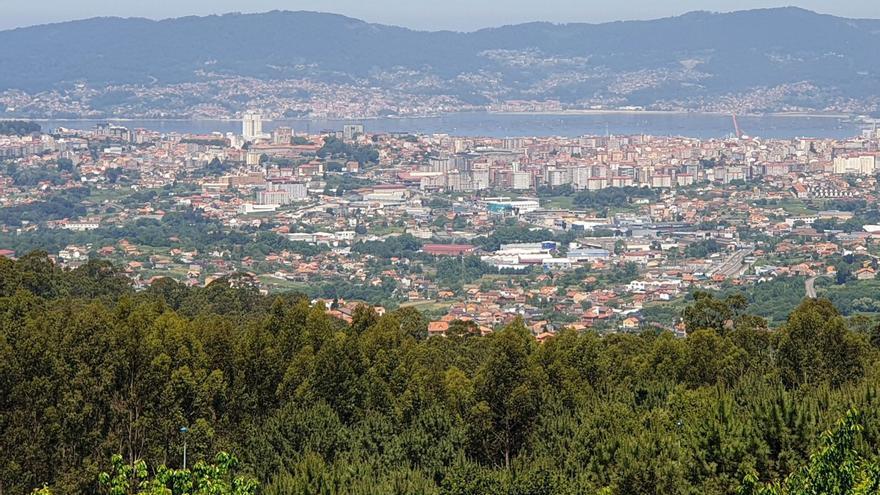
461,15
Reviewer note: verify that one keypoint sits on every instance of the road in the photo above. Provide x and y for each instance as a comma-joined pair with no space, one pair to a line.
731,266
810,286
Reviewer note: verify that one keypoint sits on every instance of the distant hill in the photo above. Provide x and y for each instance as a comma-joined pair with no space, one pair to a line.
697,55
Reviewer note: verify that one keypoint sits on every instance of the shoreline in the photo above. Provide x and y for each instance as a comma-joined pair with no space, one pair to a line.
231,119
553,113
562,113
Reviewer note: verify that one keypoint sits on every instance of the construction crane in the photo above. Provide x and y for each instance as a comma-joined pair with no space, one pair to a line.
736,129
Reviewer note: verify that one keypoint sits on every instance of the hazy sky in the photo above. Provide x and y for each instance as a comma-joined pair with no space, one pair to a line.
419,14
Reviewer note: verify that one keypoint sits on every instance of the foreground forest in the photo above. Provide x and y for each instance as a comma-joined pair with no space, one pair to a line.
90,369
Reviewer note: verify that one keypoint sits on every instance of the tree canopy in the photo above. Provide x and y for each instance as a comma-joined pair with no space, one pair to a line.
18,127
307,403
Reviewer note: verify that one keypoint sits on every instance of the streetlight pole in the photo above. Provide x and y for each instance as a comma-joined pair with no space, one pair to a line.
184,430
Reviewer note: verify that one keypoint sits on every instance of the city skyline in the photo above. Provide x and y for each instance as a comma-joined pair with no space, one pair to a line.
418,14
455,247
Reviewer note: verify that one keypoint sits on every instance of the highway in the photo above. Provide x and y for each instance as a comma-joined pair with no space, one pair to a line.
733,265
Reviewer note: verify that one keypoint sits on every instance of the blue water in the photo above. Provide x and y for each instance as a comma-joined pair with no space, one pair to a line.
515,125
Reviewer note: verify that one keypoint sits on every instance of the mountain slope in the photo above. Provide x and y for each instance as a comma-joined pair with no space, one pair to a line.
695,55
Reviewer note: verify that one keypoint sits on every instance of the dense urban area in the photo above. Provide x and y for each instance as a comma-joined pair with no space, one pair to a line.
224,97
314,305
612,233
348,311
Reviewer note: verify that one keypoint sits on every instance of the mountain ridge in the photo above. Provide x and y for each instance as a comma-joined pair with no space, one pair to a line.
698,55
688,14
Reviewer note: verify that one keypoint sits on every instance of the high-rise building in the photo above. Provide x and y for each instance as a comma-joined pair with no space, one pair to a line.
580,176
282,135
282,194
556,177
349,131
480,179
441,164
512,143
252,158
856,164
251,125
522,180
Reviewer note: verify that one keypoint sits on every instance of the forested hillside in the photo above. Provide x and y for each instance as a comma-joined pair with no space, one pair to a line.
308,404
697,55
